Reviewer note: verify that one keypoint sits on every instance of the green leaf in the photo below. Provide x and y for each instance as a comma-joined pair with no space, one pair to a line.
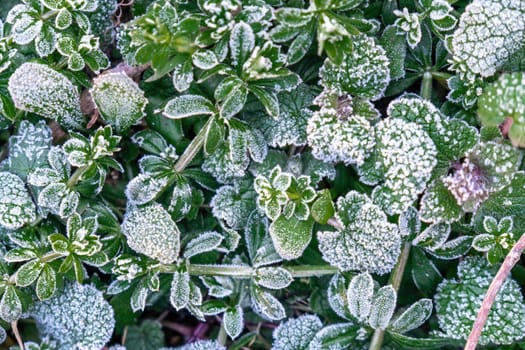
433,237
438,204
183,74
37,88
273,277
301,44
395,49
242,42
188,105
359,296
19,255
406,342
383,306
413,317
483,242
10,305
28,273
268,100
119,100
204,242
296,333
45,41
180,290
46,283
214,136
323,207
233,321
453,249
63,19
293,17
138,297
204,59
233,102
337,336
146,336
425,274
291,236
266,304
16,207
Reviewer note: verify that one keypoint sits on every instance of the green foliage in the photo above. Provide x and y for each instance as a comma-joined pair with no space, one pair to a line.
223,169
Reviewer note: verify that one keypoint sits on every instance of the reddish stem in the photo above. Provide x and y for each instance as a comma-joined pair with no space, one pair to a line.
504,271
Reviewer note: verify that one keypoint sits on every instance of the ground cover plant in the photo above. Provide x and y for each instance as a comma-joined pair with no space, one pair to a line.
262,174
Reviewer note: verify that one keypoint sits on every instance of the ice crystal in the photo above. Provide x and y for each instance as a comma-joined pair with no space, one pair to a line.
199,345
367,241
77,318
364,71
296,334
16,207
221,165
488,34
151,231
119,100
458,301
39,89
407,156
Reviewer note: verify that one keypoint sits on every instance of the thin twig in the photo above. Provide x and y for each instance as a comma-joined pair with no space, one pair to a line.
14,327
504,271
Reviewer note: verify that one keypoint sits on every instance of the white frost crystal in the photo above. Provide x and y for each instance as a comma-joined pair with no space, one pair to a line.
151,231
39,89
119,100
488,34
367,241
458,301
78,318
16,206
199,345
363,73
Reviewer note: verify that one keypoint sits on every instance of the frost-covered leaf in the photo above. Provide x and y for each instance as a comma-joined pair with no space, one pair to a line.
16,207
28,273
204,242
296,333
39,89
458,301
180,290
144,188
483,40
289,127
151,231
46,283
205,59
364,71
233,321
337,336
409,24
265,304
221,165
434,236
413,317
408,156
409,223
273,277
438,204
233,204
29,148
26,24
119,100
188,105
147,335
67,317
367,242
199,345
339,138
291,236
10,305
504,99
337,296
242,42
359,296
395,49
383,306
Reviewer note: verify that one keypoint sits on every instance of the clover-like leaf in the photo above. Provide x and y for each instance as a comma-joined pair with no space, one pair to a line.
39,89
119,100
151,231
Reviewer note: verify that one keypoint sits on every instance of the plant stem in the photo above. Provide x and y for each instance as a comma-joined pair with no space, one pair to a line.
222,337
504,271
14,327
193,148
303,271
395,281
426,86
73,180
